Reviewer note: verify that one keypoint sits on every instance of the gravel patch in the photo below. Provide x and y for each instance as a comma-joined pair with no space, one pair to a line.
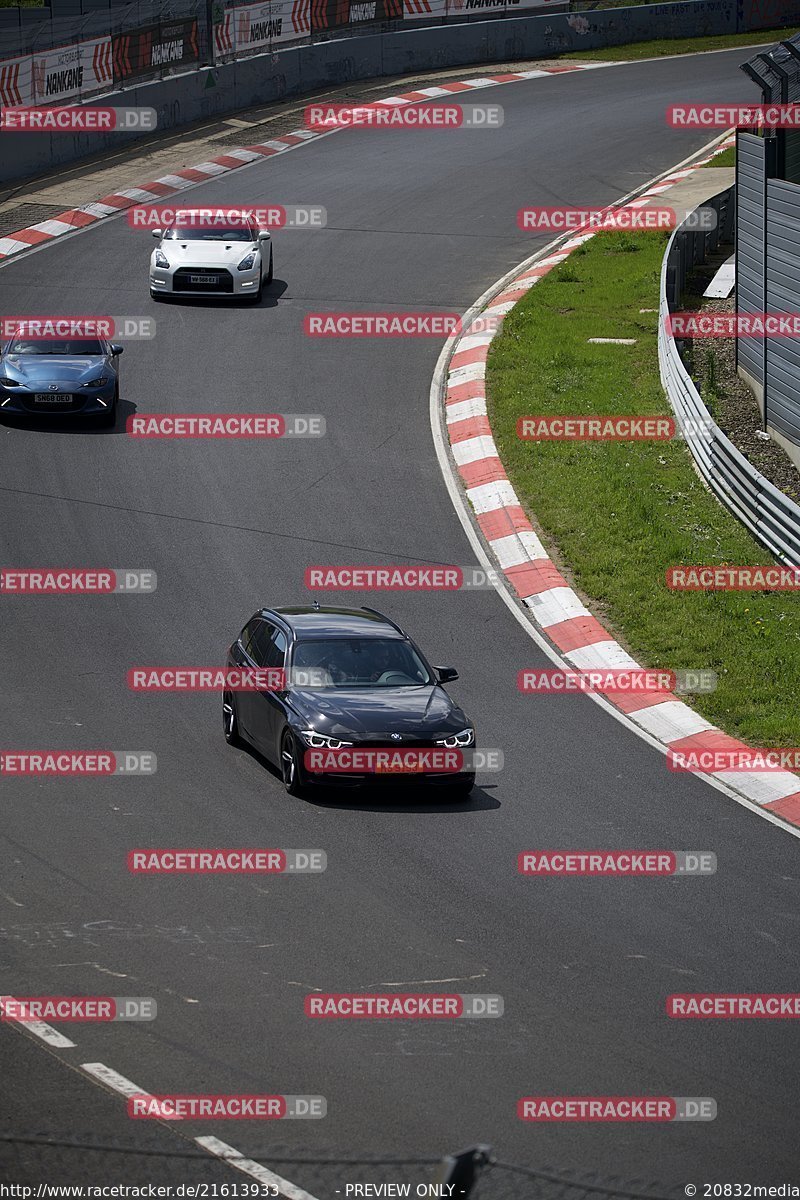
728,398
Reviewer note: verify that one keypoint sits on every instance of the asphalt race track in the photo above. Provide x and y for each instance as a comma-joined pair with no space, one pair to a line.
414,893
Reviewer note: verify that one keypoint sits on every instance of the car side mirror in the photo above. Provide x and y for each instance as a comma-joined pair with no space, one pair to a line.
446,674
115,350
156,233
264,235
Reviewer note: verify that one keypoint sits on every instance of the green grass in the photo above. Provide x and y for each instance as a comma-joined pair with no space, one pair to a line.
726,159
727,41
619,514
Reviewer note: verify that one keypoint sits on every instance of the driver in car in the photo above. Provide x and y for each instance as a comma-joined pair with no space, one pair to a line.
387,660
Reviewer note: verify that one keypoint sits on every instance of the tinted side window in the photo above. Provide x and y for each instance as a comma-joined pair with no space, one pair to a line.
276,649
259,644
246,636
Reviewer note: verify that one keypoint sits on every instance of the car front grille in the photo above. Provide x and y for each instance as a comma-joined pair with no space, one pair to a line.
185,280
384,742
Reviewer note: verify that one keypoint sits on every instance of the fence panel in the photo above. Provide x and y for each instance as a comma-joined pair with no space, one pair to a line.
770,515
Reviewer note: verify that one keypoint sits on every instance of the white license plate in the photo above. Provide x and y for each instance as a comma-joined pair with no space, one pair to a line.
204,279
52,398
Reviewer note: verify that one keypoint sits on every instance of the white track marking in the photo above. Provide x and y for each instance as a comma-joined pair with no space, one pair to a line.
118,1083
234,1159
125,1087
42,1030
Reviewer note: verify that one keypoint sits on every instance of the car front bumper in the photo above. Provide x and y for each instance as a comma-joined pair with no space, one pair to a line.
215,282
427,780
64,403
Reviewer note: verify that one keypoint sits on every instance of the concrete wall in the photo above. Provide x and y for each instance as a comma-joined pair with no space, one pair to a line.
182,100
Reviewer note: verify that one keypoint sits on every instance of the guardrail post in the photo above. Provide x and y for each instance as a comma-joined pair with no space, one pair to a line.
462,1169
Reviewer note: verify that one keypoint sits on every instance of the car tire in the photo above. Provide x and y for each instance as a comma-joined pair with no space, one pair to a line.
230,720
269,274
290,765
156,295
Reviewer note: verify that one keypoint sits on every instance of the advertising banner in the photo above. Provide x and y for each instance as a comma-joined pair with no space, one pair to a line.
72,71
16,81
153,49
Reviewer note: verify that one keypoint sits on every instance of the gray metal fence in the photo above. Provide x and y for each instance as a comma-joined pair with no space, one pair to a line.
768,243
751,173
770,516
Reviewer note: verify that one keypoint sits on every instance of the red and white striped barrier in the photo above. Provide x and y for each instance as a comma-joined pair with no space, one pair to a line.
556,609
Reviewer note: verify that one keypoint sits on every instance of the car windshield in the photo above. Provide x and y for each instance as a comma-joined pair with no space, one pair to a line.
80,346
359,662
206,233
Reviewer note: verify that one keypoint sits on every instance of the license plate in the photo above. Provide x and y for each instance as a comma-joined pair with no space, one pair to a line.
52,398
204,279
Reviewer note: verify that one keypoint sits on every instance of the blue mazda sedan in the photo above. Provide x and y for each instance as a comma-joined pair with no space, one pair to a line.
68,377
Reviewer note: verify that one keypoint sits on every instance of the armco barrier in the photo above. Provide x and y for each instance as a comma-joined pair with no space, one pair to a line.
770,516
199,95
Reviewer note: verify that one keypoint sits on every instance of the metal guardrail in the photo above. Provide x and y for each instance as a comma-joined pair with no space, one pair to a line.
472,1174
772,518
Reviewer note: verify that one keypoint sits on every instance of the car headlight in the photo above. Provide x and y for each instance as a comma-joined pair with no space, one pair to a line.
6,382
465,738
100,381
161,259
320,741
248,262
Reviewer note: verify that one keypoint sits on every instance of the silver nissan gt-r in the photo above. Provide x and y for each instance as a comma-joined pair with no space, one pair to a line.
193,258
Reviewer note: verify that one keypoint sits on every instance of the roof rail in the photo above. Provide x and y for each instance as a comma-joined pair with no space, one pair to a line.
383,617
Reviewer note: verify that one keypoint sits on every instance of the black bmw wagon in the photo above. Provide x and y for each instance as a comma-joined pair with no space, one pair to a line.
351,679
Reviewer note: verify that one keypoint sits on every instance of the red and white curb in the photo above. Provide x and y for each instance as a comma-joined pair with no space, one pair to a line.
581,642
188,177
